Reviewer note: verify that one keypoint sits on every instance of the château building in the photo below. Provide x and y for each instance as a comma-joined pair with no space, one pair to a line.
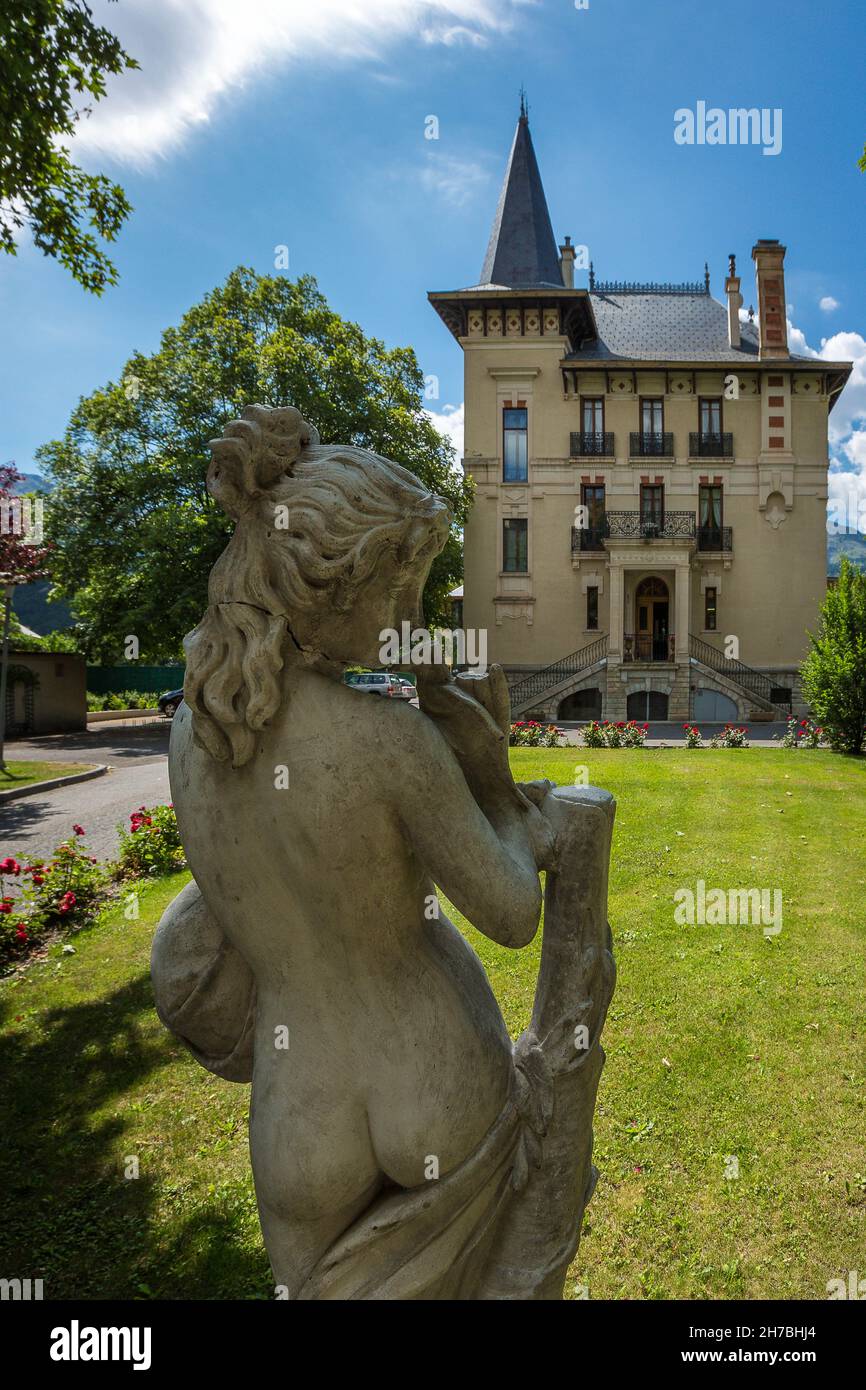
648,538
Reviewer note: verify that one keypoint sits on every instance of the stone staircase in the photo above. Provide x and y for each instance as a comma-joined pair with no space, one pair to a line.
555,681
545,688
736,678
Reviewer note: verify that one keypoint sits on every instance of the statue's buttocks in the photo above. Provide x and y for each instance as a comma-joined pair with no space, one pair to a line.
329,902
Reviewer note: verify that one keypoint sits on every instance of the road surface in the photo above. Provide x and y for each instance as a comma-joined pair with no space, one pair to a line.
32,826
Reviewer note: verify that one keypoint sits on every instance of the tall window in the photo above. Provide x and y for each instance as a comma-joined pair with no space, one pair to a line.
592,497
592,608
710,609
593,415
652,505
711,416
710,516
514,546
515,451
652,416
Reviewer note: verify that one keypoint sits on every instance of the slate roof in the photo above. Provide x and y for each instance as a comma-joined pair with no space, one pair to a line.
522,249
665,327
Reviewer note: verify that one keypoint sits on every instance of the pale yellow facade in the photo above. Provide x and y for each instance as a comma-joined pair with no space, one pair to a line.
755,538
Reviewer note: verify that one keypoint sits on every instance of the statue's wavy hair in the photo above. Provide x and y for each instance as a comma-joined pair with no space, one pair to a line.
311,525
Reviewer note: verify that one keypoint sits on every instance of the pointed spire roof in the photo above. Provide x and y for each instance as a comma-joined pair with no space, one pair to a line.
522,249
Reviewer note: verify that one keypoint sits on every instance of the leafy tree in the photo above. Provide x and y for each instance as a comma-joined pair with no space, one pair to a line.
23,557
53,57
135,529
834,672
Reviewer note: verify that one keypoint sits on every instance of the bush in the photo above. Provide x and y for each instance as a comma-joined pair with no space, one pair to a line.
619,735
834,672
64,892
731,737
806,734
531,734
694,737
634,734
151,845
789,739
810,734
122,699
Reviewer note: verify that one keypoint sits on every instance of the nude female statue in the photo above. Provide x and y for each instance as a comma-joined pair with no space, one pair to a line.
401,1146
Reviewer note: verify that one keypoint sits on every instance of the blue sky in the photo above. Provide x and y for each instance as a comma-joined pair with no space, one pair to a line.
274,122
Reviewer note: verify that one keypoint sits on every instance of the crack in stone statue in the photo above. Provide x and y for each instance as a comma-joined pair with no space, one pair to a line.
402,1147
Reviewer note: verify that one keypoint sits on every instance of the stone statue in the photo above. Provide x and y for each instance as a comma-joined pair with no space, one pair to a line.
402,1147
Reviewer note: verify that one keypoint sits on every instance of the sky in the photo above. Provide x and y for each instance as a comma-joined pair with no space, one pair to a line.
255,125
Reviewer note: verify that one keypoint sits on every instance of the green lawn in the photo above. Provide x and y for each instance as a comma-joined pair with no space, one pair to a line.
720,1042
18,773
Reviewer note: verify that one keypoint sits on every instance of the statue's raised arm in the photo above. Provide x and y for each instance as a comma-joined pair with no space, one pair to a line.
402,1146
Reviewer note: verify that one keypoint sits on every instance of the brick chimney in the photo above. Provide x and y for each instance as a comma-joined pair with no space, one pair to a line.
769,258
735,302
566,263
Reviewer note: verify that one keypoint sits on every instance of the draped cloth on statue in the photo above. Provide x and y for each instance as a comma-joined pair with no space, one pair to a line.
427,1242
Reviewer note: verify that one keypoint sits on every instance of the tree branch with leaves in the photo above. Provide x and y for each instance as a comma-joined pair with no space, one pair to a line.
54,60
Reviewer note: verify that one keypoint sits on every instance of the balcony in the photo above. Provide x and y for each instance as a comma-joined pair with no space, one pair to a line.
640,646
639,526
716,538
591,444
587,538
657,446
711,446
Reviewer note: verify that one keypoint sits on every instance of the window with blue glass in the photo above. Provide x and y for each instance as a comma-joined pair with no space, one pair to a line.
515,450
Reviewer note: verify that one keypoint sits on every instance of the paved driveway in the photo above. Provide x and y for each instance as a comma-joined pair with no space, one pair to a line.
35,825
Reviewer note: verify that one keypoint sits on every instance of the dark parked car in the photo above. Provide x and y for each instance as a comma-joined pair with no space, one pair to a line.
169,703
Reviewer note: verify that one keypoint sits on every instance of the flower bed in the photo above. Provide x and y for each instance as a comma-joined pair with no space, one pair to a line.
806,734
624,734
527,733
65,892
731,736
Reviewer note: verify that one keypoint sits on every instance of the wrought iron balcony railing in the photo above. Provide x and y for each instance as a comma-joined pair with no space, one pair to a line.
588,537
711,446
641,526
643,445
715,538
591,444
643,646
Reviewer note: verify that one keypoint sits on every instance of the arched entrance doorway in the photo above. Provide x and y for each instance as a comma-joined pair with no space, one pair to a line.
652,620
582,704
647,705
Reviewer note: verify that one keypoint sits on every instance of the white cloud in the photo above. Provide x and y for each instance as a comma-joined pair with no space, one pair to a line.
847,478
450,422
193,53
828,304
454,180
